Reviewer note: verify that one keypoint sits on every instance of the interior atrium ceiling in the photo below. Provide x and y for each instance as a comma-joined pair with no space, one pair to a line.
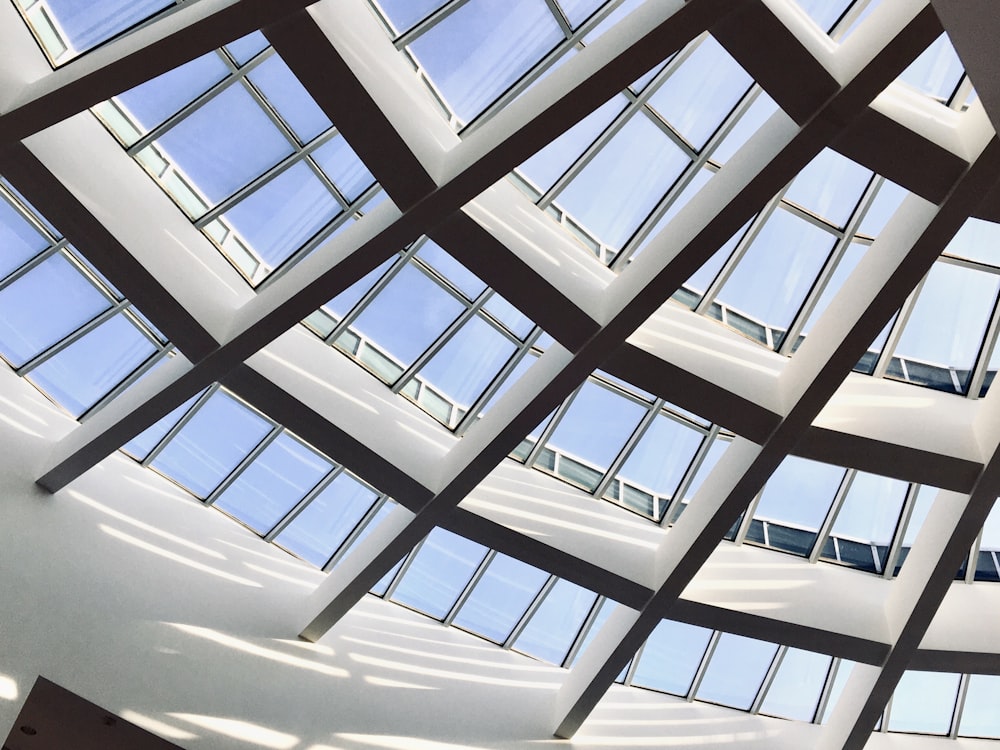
646,347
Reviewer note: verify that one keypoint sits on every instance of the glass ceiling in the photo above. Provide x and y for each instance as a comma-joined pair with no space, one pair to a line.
260,169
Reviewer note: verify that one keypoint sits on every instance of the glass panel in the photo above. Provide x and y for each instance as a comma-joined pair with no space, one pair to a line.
924,702
339,162
405,13
596,425
605,608
710,77
622,184
947,323
830,186
210,446
756,115
671,657
870,512
289,98
408,315
482,48
224,144
248,47
500,598
937,71
715,452
284,214
736,671
319,530
140,446
774,276
552,629
888,198
660,459
578,11
844,669
86,370
88,24
470,285
151,103
19,240
977,240
795,691
439,573
516,322
546,166
799,494
467,364
980,717
271,486
44,306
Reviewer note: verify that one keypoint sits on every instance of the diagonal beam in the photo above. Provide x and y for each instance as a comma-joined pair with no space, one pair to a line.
164,44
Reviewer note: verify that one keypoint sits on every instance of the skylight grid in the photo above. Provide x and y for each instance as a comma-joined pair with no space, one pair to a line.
240,146
464,584
743,673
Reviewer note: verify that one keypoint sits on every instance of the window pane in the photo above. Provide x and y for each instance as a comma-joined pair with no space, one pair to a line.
671,657
281,216
271,486
408,315
980,717
736,671
19,241
482,48
795,691
622,184
553,628
774,276
710,77
44,306
289,98
596,425
322,527
501,598
210,446
923,702
224,144
439,572
87,370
